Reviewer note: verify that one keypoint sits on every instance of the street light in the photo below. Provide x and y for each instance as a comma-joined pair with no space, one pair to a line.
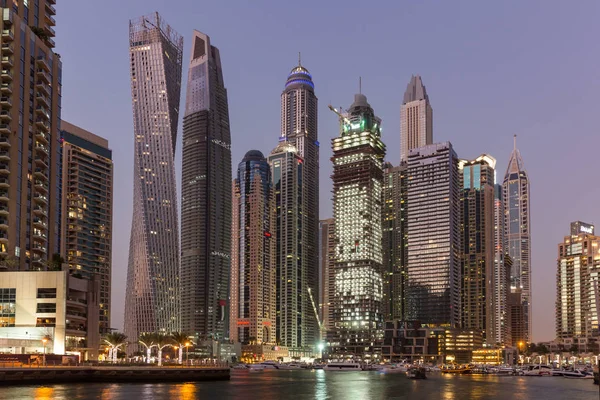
44,341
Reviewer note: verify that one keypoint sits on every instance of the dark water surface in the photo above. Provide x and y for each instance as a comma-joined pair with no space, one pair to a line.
321,385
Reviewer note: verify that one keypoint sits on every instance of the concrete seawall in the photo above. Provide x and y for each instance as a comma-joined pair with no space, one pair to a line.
35,375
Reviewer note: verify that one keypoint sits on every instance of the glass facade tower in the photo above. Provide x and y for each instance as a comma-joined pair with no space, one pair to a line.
253,289
518,239
433,272
152,297
357,207
205,197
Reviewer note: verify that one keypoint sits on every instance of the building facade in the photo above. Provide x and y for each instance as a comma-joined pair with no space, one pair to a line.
502,263
413,342
577,280
395,208
416,118
357,207
327,262
518,240
297,157
205,196
30,109
152,297
51,305
433,272
478,240
87,209
253,285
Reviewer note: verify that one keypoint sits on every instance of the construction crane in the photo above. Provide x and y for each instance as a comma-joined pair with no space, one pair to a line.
342,117
321,326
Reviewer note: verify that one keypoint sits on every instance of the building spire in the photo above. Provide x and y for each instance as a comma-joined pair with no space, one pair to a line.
299,59
515,142
360,84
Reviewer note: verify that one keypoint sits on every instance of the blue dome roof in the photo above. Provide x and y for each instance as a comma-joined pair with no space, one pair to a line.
299,76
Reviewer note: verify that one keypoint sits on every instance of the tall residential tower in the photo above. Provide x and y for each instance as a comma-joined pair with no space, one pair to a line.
253,264
205,197
416,118
152,296
518,240
295,165
357,208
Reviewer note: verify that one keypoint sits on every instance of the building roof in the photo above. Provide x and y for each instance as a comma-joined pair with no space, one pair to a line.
515,165
415,90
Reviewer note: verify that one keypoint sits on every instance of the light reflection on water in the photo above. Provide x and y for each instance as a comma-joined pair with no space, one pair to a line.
322,385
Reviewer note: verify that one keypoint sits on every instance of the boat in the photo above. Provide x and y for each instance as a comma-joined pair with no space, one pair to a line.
393,369
318,366
290,366
504,371
462,370
256,368
342,366
416,373
240,366
577,374
538,370
269,365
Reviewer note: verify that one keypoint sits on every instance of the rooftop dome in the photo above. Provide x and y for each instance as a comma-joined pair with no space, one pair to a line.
253,155
299,76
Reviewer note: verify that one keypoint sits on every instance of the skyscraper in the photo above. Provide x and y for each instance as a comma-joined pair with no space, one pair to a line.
357,207
394,241
205,197
30,109
87,210
253,294
518,239
433,272
502,265
327,254
295,164
577,280
477,229
416,118
152,296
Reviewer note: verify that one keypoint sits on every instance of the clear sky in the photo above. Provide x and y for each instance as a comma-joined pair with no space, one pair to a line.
492,69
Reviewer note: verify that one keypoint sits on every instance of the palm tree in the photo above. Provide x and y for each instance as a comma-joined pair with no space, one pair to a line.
149,341
115,340
181,340
162,341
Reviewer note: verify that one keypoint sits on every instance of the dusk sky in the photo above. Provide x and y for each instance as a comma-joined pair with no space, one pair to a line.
492,69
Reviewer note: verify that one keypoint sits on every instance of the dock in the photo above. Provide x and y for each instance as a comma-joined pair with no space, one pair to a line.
110,374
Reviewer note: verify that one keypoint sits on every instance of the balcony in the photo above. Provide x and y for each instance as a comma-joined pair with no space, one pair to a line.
4,155
7,48
49,31
48,2
7,35
41,136
4,183
8,17
42,148
49,19
6,75
7,62
5,116
3,223
42,125
42,99
38,210
4,169
41,173
39,223
40,185
39,236
44,88
5,129
6,88
40,198
4,142
6,101
43,112
41,161
38,262
39,249
4,210
4,195
50,43
43,75
43,63
3,239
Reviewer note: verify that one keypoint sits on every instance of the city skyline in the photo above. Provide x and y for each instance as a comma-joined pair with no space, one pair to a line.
494,140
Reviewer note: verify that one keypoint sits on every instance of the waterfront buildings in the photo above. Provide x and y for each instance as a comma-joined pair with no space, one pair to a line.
518,242
327,262
477,231
87,209
205,196
295,169
253,293
394,241
30,93
51,309
357,206
502,264
577,281
416,118
413,342
152,296
433,271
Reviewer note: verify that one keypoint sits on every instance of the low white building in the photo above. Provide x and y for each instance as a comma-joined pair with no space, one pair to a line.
51,305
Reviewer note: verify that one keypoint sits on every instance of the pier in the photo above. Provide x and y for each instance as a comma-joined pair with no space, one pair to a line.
110,374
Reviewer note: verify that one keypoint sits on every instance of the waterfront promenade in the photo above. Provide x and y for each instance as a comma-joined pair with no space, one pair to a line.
35,374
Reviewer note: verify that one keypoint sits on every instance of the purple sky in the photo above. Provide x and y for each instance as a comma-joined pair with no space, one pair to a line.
492,69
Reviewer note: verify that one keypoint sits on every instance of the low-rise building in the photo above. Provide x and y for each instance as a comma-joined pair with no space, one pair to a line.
460,343
51,312
494,356
413,341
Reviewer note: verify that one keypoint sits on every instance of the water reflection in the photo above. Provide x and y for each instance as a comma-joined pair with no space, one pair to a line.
187,391
44,393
